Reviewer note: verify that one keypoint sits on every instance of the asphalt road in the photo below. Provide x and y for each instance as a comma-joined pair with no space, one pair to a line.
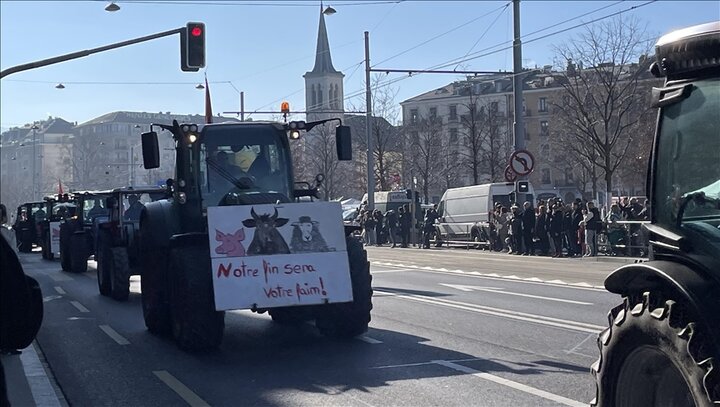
450,327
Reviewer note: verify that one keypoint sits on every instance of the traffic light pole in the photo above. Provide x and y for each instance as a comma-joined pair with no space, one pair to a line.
80,54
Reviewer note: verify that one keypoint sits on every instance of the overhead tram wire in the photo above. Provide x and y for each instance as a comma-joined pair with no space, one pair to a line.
486,31
442,34
476,56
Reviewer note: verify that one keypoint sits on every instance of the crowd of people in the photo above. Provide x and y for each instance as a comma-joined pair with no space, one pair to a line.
550,228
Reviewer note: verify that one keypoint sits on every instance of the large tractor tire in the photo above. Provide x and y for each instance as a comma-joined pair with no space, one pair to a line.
155,292
350,319
196,326
653,354
78,253
291,315
119,273
103,267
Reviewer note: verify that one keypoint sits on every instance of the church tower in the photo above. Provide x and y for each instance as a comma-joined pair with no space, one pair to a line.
323,85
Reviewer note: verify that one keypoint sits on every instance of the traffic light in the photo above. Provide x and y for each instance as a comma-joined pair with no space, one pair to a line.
522,187
192,47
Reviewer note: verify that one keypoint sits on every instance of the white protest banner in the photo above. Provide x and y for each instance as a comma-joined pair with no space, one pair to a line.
276,255
55,238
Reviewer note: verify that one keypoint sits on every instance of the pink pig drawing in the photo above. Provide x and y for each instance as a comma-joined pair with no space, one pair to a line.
230,243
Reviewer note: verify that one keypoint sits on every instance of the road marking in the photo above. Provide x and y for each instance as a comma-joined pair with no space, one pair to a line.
369,340
499,290
521,316
79,306
40,386
183,391
114,335
495,276
60,290
512,384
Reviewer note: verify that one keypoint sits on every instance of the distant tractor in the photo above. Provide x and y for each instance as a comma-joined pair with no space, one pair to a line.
662,346
220,241
28,216
78,233
118,256
58,208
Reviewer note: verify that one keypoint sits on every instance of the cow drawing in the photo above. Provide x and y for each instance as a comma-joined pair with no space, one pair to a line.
230,243
267,239
306,237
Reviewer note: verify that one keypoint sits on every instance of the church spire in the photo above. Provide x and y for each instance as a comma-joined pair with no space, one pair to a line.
323,60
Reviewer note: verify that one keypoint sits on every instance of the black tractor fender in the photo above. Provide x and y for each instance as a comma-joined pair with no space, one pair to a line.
157,220
695,287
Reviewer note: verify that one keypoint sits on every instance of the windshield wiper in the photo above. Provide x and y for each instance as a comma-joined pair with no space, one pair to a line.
244,183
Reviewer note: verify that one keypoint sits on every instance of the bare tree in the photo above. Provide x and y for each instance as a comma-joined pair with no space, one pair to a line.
425,142
386,139
603,99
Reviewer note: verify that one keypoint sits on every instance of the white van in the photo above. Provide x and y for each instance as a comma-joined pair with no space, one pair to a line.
465,212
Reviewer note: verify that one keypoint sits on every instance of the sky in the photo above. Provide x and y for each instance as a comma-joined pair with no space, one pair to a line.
263,48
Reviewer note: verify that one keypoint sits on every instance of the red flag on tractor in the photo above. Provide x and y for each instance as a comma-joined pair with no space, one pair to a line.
208,107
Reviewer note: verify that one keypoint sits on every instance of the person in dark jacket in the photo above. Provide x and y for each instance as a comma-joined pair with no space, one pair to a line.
406,222
379,223
542,222
391,224
528,225
557,223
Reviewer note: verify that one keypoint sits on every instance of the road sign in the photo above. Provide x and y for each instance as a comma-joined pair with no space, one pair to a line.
510,175
522,162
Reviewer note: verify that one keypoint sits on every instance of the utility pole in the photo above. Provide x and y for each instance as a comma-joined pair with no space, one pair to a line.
519,125
368,129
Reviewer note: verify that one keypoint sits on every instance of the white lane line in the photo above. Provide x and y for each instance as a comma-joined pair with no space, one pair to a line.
369,340
499,290
183,391
60,290
114,335
512,384
79,306
495,276
503,313
40,386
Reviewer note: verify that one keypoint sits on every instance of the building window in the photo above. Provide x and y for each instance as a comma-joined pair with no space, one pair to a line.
544,128
413,116
453,136
453,113
542,105
433,113
545,176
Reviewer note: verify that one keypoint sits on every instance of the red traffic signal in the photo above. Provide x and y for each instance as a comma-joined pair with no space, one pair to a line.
192,47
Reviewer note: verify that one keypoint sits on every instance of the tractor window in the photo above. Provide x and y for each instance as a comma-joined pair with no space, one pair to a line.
251,162
687,181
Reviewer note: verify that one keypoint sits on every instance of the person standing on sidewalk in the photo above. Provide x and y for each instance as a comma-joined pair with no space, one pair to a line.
406,222
391,224
528,229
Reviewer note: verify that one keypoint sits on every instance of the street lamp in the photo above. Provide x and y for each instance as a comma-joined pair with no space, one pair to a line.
34,172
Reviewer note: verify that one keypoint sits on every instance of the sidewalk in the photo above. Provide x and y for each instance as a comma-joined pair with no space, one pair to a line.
28,381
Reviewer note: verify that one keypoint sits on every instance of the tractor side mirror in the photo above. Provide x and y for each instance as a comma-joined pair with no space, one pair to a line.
343,142
150,150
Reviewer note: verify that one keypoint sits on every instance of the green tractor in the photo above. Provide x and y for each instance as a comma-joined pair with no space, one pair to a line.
662,346
78,233
118,256
234,181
